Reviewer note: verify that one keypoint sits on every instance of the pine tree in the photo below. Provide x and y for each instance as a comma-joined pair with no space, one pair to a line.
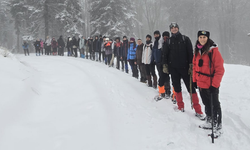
112,18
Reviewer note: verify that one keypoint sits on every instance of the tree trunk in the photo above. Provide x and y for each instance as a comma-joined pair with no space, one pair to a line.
46,18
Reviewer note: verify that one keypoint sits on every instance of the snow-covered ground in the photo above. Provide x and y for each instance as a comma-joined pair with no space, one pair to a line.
62,103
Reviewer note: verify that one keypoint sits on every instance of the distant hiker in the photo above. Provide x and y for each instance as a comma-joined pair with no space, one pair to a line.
138,61
124,60
37,47
48,46
149,64
54,46
26,48
61,45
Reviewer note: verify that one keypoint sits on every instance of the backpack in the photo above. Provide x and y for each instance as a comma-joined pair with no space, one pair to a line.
183,39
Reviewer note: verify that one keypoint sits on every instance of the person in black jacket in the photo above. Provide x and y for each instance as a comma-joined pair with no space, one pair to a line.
96,48
75,45
178,61
37,47
124,60
100,41
61,45
91,50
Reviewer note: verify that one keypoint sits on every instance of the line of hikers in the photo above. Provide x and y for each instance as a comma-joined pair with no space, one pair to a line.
170,55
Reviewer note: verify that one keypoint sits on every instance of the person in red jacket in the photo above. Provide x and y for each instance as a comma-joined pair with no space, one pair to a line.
208,71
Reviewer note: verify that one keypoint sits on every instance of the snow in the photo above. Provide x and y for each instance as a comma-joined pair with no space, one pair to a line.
66,103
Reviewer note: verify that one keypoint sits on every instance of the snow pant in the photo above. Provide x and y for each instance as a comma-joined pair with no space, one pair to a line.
48,50
72,52
108,58
150,72
206,99
142,72
112,60
54,51
118,60
100,55
26,52
75,51
41,49
164,79
176,75
125,64
96,56
69,51
61,51
133,68
103,56
37,50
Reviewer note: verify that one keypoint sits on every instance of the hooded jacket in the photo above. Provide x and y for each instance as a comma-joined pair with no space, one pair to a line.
202,75
147,53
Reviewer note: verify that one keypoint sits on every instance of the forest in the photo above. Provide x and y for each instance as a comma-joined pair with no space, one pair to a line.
227,20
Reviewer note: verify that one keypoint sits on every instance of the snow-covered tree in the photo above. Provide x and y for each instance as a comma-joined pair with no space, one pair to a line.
113,18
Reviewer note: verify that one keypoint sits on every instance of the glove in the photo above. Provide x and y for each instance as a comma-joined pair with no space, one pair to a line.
190,70
195,85
165,68
212,89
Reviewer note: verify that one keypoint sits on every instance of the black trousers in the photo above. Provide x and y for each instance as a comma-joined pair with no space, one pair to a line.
69,51
61,51
133,68
100,55
142,71
108,57
206,99
164,79
150,69
75,51
37,50
176,75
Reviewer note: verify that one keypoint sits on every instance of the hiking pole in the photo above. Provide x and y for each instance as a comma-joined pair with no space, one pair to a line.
191,87
212,109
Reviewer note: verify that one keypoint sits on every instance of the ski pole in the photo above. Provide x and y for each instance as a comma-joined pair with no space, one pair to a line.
191,87
212,109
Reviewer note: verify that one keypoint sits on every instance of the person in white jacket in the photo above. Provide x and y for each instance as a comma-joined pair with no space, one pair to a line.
149,64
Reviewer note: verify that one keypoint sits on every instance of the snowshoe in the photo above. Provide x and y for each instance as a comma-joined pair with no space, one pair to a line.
200,116
179,110
159,97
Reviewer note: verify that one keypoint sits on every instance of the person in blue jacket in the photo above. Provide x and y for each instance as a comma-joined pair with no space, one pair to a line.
26,48
132,56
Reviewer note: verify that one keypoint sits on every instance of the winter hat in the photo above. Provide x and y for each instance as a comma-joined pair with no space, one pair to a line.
202,32
157,32
132,39
100,36
106,39
124,37
173,24
149,36
166,33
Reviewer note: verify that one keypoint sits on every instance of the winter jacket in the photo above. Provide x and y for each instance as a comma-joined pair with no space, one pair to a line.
201,75
179,52
108,48
41,44
54,44
118,49
25,45
69,43
74,42
100,44
125,48
82,43
157,50
95,45
37,44
147,54
131,52
48,42
90,44
139,51
60,42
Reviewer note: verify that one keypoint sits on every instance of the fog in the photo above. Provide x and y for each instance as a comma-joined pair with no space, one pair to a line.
227,20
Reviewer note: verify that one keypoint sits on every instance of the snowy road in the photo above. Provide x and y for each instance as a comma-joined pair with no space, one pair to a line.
61,103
